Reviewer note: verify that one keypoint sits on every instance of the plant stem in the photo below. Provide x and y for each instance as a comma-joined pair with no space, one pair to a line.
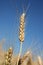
19,53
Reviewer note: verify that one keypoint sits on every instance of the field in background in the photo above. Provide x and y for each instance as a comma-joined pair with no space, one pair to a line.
33,56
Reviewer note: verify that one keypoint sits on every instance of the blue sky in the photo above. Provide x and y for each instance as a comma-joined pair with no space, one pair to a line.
10,11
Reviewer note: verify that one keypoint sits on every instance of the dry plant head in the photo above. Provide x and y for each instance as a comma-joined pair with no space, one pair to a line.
39,60
21,34
21,30
8,57
26,55
26,59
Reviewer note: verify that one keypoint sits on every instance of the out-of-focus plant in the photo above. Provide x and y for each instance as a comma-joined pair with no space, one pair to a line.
8,57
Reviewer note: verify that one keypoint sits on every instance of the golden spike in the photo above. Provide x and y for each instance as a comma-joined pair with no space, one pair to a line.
8,57
21,34
21,30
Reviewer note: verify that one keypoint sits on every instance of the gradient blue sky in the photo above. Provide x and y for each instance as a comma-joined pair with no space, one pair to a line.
10,11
